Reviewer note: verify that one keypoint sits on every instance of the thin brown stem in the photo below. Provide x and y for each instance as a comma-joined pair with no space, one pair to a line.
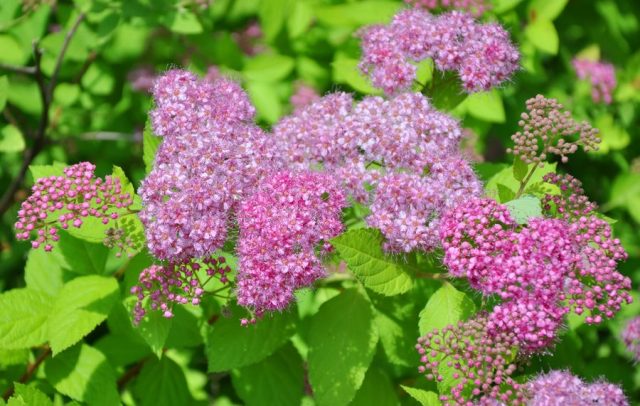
24,70
31,369
130,374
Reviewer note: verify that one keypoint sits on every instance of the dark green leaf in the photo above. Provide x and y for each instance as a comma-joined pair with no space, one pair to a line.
162,383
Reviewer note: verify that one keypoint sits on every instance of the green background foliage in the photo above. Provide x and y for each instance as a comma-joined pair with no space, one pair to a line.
350,339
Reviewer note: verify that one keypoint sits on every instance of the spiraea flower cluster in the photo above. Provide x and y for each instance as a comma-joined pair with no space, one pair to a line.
546,129
557,388
211,157
631,337
65,201
282,228
402,147
160,287
602,76
481,54
475,7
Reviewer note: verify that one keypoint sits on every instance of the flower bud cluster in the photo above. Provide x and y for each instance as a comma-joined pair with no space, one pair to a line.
563,388
546,129
475,7
602,76
572,203
160,287
63,201
280,226
482,54
631,337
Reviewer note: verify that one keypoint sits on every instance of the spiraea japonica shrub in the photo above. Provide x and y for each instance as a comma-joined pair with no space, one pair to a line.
326,235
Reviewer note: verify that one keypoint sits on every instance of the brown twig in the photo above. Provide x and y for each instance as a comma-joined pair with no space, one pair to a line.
31,369
24,70
130,374
46,96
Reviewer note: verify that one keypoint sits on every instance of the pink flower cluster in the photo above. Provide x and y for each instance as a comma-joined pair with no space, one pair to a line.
475,7
631,337
482,54
402,147
63,201
602,76
280,226
211,157
561,388
540,271
162,286
303,96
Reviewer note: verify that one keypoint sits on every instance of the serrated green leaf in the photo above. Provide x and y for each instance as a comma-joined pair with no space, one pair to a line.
83,374
377,389
43,272
425,398
486,106
520,169
81,305
277,380
543,35
31,395
447,306
43,171
162,383
524,208
362,251
342,340
23,319
268,67
154,328
80,256
230,345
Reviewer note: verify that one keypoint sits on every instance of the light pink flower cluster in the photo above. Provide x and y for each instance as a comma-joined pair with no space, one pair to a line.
478,362
142,79
280,226
248,39
548,266
402,147
631,337
602,76
211,157
561,388
475,7
62,201
163,286
482,54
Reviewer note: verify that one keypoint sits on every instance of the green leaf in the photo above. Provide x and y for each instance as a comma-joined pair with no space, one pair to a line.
543,35
520,169
502,6
31,395
98,79
268,67
377,389
12,51
506,177
83,374
356,14
81,305
426,398
362,251
446,91
43,171
150,144
505,194
277,380
4,91
524,208
162,383
11,139
342,340
447,306
273,15
154,327
264,96
345,70
625,192
613,136
66,94
486,106
546,9
230,345
43,272
182,21
300,19
14,357
23,319
81,256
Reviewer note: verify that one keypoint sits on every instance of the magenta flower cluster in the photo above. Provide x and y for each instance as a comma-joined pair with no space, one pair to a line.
481,54
280,226
631,337
561,388
62,201
475,7
602,76
401,148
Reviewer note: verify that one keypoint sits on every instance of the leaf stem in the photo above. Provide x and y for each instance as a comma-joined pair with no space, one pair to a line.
526,180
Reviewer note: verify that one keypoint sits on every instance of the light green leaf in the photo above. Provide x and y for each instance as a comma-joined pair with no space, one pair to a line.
4,91
362,251
81,256
84,374
377,389
31,395
356,14
11,139
268,67
613,136
277,380
342,340
43,272
625,191
273,14
426,398
546,9
502,6
524,208
154,327
345,70
506,178
150,144
12,51
486,106
182,21
505,194
446,91
265,97
447,306
43,171
520,169
543,35
162,383
300,19
14,357
23,319
230,345
66,94
81,305
98,79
